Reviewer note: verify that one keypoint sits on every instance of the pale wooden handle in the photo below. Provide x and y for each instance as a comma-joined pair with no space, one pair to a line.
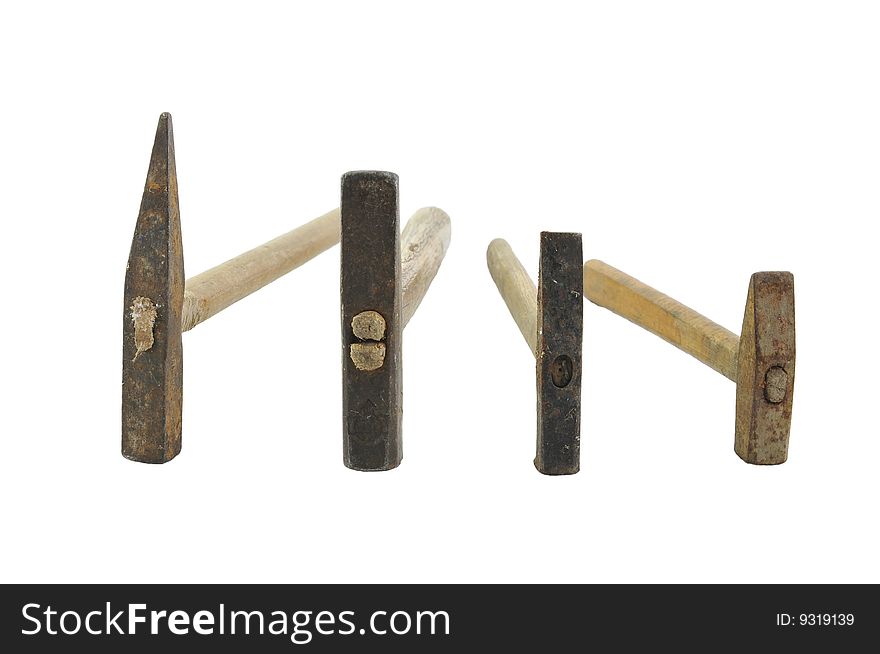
213,290
516,287
660,314
423,244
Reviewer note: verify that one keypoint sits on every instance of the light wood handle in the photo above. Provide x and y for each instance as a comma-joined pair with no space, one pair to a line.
516,287
423,244
660,314
212,291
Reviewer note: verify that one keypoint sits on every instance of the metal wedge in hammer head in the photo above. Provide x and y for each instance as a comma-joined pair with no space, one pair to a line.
152,352
550,318
384,276
761,360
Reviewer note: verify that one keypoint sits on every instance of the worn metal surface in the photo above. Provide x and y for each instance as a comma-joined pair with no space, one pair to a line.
152,353
370,282
558,365
765,370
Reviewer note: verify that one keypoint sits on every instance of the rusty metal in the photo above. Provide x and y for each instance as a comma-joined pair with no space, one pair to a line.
558,364
765,370
152,352
370,284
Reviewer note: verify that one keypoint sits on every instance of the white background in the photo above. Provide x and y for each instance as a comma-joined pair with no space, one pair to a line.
691,143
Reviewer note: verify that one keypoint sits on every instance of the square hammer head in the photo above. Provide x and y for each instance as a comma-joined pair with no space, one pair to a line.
152,351
558,364
371,321
765,370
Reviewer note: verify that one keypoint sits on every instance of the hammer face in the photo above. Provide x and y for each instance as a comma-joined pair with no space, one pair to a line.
152,353
371,321
558,365
765,370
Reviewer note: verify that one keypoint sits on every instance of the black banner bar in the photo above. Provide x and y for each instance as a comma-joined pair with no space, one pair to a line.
105,618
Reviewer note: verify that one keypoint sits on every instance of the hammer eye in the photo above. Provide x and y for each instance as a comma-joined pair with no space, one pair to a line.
561,371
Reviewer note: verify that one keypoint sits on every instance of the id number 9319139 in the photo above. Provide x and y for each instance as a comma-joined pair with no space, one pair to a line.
815,619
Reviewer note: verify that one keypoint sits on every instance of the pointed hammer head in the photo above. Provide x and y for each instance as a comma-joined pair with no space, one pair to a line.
765,370
152,352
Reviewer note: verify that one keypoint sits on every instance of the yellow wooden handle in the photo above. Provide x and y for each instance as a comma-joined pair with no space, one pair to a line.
672,321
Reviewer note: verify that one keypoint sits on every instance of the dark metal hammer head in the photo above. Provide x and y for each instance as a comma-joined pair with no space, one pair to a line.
371,321
765,370
152,352
558,365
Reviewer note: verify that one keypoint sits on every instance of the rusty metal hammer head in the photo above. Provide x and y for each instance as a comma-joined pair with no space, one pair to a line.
765,370
558,353
550,318
371,321
380,292
152,352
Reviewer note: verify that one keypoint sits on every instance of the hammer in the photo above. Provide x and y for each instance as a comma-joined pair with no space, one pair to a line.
380,290
760,361
550,318
160,306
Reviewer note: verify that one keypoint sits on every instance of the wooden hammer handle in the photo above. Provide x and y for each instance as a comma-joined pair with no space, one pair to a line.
660,314
516,287
423,244
212,291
